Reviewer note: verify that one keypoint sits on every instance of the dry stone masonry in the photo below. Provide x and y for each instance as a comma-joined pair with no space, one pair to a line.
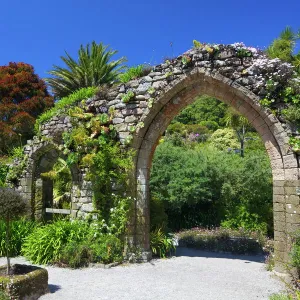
143,108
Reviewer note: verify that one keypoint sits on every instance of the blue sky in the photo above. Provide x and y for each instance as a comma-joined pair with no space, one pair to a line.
39,31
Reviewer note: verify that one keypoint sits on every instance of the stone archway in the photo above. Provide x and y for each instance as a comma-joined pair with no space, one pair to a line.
284,162
142,109
37,190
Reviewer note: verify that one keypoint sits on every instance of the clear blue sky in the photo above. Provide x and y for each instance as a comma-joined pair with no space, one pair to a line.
38,31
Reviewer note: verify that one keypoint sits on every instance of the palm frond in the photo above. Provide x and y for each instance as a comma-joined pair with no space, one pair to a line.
287,34
94,67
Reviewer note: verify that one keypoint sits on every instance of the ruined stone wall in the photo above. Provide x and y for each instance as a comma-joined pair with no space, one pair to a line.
143,108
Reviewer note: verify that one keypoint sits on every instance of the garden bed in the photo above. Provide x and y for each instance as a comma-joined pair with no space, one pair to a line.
26,282
224,240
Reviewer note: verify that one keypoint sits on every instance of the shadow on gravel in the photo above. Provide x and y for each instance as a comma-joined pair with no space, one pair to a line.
190,252
54,288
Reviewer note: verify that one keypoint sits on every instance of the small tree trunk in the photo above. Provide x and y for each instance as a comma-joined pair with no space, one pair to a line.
7,245
242,148
242,140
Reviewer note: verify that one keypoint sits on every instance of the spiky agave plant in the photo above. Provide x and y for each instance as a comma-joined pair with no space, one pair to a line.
94,67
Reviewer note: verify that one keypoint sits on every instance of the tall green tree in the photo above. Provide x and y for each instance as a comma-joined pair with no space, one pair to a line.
206,111
94,67
240,124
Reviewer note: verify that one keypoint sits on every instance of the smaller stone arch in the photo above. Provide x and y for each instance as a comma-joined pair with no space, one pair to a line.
38,191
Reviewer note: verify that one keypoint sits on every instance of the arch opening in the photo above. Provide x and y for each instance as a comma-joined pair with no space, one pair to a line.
209,169
178,96
53,184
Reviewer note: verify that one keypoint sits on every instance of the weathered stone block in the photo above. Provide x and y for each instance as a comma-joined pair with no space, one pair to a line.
290,190
117,120
293,199
293,218
292,209
279,207
131,119
87,207
279,199
277,190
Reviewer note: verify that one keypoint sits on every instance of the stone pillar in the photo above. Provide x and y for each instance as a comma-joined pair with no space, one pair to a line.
47,198
38,199
286,219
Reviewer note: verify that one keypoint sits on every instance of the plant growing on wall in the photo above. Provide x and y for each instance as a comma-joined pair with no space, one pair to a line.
128,96
134,73
93,144
62,104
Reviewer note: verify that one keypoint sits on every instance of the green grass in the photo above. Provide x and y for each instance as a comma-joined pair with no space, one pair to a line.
20,229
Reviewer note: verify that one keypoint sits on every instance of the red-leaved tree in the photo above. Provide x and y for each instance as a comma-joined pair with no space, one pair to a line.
23,96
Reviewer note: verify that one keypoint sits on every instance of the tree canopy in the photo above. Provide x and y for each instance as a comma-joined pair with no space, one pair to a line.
23,96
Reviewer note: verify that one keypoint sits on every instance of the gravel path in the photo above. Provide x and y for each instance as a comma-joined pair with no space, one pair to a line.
193,274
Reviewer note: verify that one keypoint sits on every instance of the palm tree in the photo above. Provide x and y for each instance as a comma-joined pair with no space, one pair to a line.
93,68
240,124
284,46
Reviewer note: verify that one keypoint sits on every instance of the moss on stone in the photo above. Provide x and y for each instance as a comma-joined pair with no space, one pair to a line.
32,284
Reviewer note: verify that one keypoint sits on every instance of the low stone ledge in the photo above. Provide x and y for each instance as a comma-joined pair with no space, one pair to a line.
104,266
28,283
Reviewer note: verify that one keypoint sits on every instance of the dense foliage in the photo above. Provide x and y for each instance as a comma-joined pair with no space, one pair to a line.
203,182
72,243
62,184
92,144
161,244
284,48
3,173
23,97
134,73
19,230
93,68
206,111
224,240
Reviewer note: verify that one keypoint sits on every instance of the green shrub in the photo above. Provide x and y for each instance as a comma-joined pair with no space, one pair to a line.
4,296
72,243
133,73
45,244
19,230
127,97
292,114
223,240
158,216
107,249
3,172
76,255
281,297
242,218
161,244
295,254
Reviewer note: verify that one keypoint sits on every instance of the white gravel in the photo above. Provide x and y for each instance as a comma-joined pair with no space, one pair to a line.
193,274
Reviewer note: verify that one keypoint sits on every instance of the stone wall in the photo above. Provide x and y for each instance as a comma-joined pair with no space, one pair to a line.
143,108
